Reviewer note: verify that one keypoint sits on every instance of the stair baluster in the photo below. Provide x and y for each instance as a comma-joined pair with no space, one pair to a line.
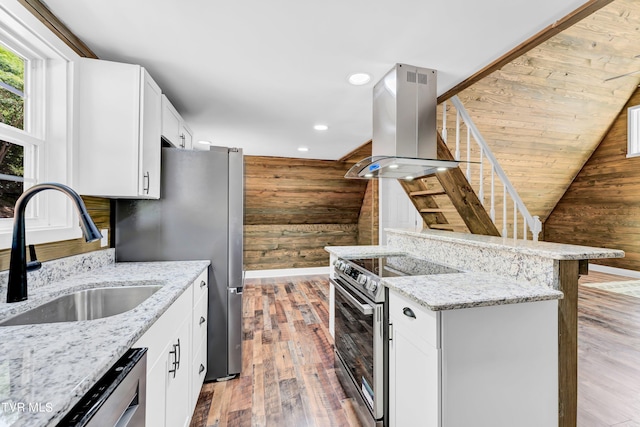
530,223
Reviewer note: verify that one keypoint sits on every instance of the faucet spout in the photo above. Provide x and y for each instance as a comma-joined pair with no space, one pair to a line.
17,287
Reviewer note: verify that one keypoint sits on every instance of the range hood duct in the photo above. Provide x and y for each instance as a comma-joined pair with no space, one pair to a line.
405,144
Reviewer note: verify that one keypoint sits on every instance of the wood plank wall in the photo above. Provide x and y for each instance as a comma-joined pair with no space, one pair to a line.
369,218
296,207
602,205
100,211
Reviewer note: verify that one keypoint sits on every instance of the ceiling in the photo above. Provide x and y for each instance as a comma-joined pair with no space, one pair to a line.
259,75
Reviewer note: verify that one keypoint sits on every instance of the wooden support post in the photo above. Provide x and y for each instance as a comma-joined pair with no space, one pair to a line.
568,343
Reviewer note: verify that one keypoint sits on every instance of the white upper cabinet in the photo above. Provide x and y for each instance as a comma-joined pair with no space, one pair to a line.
118,127
171,122
174,129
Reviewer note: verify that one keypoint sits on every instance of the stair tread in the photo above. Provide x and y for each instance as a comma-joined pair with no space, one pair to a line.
432,210
446,227
427,193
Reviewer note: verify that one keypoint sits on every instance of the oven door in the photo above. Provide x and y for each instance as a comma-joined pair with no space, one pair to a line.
359,344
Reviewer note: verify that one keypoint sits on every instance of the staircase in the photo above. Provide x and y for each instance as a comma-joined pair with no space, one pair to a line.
430,194
447,200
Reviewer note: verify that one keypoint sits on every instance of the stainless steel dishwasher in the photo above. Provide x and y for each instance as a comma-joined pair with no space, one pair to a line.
117,399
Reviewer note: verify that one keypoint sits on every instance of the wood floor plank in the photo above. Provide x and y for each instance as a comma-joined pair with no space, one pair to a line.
288,377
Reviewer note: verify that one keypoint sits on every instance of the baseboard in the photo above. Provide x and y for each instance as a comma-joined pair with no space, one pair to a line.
614,270
259,274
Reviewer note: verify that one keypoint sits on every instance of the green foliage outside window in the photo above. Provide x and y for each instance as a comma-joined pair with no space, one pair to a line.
12,114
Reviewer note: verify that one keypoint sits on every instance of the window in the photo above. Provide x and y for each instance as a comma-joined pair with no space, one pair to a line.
16,158
36,106
633,131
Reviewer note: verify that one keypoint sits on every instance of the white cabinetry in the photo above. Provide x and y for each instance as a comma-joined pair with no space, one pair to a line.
118,130
199,336
174,129
413,364
485,366
171,341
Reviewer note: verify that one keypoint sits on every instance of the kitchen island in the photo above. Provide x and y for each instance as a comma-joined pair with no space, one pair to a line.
496,272
46,368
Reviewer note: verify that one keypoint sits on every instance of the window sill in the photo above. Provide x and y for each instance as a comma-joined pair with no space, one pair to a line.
39,236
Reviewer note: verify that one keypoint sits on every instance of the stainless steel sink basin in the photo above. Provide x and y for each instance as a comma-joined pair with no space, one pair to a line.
88,304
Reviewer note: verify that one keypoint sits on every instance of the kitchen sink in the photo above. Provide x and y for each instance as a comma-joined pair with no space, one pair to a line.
88,304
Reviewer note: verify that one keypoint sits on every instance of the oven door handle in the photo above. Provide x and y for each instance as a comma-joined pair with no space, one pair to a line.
365,309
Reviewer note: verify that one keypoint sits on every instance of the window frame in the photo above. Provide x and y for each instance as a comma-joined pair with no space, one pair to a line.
633,131
49,125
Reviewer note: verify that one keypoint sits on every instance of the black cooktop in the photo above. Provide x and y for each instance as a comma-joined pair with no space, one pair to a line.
401,265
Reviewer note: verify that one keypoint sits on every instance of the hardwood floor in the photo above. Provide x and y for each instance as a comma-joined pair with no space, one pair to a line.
608,356
288,378
287,375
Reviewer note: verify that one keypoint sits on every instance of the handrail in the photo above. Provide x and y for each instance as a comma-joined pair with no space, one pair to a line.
534,223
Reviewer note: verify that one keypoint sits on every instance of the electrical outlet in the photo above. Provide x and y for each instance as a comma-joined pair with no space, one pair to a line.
105,237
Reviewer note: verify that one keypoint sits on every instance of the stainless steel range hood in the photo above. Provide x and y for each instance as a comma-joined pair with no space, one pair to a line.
404,127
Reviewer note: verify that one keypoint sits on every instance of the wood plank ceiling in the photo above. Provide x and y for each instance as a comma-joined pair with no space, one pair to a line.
544,113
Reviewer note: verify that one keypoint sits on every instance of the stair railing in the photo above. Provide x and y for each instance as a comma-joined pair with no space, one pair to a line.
530,223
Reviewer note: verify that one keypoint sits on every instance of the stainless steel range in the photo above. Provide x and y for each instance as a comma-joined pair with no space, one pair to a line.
361,350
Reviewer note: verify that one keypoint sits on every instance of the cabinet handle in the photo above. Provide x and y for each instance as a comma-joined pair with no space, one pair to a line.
145,188
408,312
203,284
182,137
202,320
175,360
178,367
201,370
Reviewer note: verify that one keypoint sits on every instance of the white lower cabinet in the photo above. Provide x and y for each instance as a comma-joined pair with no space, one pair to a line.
491,366
177,408
171,357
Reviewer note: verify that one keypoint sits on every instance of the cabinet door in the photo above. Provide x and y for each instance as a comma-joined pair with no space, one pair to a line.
187,137
413,381
177,406
151,106
156,384
171,122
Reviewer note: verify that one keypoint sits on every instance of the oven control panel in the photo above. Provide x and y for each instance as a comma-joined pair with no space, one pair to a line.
366,282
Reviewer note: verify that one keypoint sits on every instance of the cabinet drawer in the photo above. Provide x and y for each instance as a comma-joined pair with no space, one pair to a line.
199,370
200,322
200,286
425,323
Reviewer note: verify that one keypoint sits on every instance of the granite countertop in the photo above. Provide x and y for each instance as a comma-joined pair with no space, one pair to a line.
352,252
557,251
45,369
452,290
465,290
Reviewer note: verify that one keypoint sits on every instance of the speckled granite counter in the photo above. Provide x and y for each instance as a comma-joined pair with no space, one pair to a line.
466,290
525,261
51,366
453,290
495,270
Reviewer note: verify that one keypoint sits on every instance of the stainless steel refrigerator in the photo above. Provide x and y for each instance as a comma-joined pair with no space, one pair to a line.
199,216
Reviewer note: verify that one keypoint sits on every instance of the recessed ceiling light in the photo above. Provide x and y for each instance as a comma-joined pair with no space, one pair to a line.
368,175
359,79
394,166
303,149
321,127
408,178
203,142
442,169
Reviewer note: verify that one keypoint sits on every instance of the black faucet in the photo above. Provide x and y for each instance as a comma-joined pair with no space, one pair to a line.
17,288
